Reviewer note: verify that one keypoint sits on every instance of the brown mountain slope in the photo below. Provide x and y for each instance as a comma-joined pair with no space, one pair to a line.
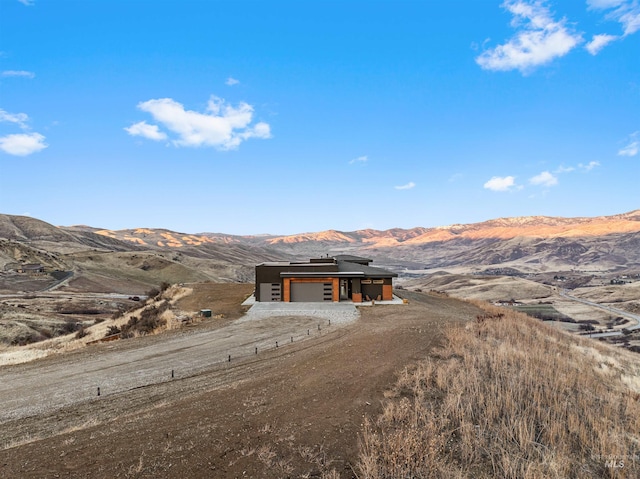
125,262
529,244
501,228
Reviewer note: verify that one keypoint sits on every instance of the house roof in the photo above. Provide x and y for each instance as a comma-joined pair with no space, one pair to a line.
295,264
32,266
357,267
352,259
364,270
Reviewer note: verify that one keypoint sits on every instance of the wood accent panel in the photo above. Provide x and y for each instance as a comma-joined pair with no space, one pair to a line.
336,290
387,292
287,290
356,297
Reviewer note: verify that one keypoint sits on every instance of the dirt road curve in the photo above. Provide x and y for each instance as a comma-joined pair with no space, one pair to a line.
294,411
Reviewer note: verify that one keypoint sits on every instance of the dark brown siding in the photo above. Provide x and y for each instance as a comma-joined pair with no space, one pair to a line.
271,273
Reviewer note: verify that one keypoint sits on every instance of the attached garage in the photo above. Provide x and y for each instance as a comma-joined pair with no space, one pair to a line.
311,292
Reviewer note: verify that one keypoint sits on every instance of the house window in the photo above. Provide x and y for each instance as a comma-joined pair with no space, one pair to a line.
378,281
366,281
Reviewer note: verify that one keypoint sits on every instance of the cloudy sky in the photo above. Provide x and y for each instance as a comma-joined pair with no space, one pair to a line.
279,117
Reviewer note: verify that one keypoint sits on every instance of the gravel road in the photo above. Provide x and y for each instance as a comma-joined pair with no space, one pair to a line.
45,386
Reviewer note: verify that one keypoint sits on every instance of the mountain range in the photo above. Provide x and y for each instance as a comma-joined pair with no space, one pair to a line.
144,256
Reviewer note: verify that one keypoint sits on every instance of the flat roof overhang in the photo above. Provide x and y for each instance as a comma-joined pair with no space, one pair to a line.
298,265
333,274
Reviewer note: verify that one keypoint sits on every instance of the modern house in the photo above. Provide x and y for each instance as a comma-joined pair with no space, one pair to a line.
31,269
337,278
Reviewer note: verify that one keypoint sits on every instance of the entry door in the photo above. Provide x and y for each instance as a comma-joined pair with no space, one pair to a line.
344,289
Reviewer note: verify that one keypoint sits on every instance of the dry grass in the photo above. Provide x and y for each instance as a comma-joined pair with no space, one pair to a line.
170,318
510,397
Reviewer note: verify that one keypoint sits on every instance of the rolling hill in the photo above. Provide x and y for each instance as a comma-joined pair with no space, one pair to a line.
529,244
103,261
137,258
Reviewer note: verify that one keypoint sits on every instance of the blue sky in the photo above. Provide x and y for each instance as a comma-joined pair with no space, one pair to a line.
292,116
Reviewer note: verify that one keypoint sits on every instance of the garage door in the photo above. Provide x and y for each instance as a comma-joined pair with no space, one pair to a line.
311,292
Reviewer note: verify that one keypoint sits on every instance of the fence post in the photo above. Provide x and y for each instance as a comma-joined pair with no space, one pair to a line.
172,376
291,338
98,390
276,344
256,349
229,358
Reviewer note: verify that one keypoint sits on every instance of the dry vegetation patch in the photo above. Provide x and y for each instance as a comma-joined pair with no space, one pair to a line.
478,287
169,309
510,397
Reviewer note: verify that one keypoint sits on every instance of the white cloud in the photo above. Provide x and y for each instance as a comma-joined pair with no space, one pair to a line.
152,132
232,81
22,144
19,119
633,147
589,166
408,186
501,183
18,73
28,3
625,12
221,126
538,40
360,159
599,42
544,179
564,169
602,4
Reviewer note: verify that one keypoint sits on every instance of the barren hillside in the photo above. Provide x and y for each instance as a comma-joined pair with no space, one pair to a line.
529,244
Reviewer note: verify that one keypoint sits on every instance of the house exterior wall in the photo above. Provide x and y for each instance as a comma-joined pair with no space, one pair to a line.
364,285
387,292
271,274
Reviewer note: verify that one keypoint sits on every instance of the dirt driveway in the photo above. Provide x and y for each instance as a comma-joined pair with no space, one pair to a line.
295,411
